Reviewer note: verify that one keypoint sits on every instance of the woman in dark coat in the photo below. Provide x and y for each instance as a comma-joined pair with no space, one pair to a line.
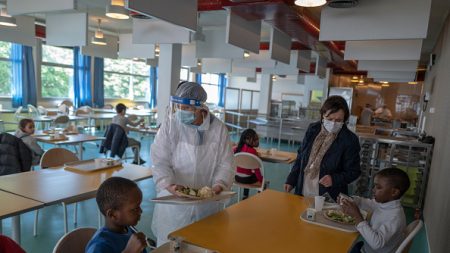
328,159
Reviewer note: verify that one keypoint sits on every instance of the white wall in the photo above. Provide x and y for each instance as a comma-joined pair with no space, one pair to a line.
283,85
437,201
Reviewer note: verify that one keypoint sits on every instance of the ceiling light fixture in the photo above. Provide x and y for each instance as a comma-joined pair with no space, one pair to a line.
5,19
310,3
246,54
199,62
412,82
157,49
99,37
117,10
274,78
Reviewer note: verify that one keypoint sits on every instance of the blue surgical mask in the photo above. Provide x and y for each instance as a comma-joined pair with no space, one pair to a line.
185,117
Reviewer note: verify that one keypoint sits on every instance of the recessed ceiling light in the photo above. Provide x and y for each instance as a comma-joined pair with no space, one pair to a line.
117,10
246,54
310,3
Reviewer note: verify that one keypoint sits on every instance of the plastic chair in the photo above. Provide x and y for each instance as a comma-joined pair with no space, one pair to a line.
84,111
411,230
67,102
249,161
56,157
33,111
75,241
42,110
61,121
18,114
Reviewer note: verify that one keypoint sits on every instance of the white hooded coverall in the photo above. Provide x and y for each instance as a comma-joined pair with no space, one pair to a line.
181,156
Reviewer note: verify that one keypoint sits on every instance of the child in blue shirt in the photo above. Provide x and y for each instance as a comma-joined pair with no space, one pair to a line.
119,200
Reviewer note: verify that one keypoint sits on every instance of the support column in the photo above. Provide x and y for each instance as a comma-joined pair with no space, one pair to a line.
169,66
265,95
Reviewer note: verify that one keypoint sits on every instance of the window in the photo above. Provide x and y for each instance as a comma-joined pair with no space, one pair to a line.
126,79
210,83
57,72
184,74
5,69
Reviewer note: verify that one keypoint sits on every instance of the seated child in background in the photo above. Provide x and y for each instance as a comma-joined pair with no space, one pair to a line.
123,121
25,132
247,143
385,231
119,200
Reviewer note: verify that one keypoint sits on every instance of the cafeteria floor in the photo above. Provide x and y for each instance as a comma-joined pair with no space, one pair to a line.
50,225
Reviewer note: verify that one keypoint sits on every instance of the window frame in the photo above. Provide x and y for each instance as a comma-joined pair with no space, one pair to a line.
134,98
4,59
52,64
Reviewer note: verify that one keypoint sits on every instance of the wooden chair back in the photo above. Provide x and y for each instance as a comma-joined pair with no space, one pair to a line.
56,157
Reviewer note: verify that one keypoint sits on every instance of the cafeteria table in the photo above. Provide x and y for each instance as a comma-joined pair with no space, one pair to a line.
56,185
12,206
267,222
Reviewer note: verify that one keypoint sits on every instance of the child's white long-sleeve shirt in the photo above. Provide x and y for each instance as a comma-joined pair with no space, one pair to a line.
386,229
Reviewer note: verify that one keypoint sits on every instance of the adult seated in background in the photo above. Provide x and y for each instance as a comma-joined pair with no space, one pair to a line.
366,115
383,113
124,122
15,156
328,160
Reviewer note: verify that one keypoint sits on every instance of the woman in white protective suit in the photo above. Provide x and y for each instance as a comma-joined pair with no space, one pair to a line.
191,149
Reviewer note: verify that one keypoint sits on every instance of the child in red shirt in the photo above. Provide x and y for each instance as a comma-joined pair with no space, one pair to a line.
248,142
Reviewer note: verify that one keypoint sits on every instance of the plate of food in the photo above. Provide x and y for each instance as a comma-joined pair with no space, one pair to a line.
193,193
339,216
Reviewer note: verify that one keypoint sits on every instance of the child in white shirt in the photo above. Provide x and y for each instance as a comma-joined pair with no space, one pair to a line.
25,132
386,229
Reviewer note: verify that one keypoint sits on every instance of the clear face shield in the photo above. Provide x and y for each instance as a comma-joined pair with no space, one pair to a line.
184,113
184,109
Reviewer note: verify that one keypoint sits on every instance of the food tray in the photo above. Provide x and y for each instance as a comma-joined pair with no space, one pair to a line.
48,138
320,220
176,200
90,165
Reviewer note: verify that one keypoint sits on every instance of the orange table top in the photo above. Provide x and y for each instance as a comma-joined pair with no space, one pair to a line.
52,186
13,204
267,222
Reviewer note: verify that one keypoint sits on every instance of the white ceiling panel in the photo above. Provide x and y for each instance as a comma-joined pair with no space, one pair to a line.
242,33
215,65
391,75
181,13
152,31
188,58
376,20
57,25
215,46
128,49
23,33
280,46
19,7
383,50
387,65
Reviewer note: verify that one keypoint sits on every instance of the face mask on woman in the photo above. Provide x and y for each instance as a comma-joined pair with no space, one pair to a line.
331,126
185,117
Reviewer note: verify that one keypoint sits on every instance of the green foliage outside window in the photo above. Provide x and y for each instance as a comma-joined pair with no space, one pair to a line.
5,69
56,71
126,79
